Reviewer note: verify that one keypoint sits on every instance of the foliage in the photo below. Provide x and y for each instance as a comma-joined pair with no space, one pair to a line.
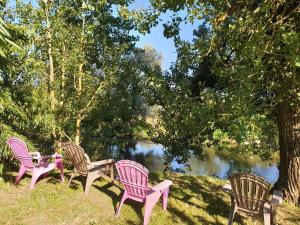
230,57
247,54
80,76
5,39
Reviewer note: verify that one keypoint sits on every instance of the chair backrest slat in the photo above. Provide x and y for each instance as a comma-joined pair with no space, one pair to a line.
20,151
76,155
134,177
250,191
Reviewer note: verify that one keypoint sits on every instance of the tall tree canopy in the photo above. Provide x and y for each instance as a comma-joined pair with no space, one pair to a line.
246,54
78,77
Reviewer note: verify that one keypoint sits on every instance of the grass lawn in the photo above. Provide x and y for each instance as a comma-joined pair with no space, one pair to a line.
192,200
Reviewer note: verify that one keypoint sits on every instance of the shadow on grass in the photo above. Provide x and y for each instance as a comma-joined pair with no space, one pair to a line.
290,217
130,222
136,206
54,178
294,220
188,188
10,177
76,182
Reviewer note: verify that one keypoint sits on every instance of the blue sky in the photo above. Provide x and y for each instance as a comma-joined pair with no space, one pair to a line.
155,38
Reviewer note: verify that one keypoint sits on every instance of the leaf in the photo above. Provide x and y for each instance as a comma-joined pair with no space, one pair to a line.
84,5
221,18
13,44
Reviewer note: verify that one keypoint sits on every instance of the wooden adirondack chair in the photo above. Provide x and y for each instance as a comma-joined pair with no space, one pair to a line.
135,180
249,194
25,158
83,166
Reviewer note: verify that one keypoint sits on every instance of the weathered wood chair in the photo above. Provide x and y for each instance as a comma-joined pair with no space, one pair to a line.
83,166
249,194
134,177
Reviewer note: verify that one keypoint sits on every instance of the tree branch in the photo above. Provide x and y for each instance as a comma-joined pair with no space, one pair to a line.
91,101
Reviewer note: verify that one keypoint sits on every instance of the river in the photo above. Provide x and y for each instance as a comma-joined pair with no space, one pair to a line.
151,156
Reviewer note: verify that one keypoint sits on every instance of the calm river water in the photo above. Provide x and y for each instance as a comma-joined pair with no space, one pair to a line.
151,156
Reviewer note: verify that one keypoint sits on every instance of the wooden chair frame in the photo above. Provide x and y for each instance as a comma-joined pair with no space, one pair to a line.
249,194
84,167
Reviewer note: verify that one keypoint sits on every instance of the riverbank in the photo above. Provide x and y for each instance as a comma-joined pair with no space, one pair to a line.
192,200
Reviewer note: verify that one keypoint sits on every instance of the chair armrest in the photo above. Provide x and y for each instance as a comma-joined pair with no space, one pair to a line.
162,185
227,188
102,162
47,157
88,161
277,197
99,164
35,155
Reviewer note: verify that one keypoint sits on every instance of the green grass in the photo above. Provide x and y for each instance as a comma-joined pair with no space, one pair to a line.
192,200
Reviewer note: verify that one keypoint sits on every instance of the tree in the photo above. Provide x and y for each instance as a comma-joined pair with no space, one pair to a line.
79,60
5,39
23,109
120,112
254,50
81,43
102,40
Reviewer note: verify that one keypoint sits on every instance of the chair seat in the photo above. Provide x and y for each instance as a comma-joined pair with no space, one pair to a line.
44,166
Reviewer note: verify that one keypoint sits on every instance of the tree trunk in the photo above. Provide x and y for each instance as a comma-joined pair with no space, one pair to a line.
79,86
78,116
289,142
51,74
50,57
51,65
63,76
78,124
62,95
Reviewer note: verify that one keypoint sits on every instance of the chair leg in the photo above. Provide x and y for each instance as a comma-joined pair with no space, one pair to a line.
73,174
124,197
111,169
165,198
59,165
267,214
150,203
273,214
35,177
61,168
22,171
232,212
89,180
151,200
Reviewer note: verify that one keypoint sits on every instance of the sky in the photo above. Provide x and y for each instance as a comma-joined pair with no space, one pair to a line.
155,38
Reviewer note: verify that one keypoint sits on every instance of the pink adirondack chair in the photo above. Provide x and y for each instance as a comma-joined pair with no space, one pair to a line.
135,180
20,151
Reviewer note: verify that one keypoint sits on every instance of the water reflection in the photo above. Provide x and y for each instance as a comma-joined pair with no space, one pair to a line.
151,155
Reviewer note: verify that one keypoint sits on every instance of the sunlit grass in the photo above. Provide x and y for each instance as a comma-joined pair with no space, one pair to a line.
192,200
